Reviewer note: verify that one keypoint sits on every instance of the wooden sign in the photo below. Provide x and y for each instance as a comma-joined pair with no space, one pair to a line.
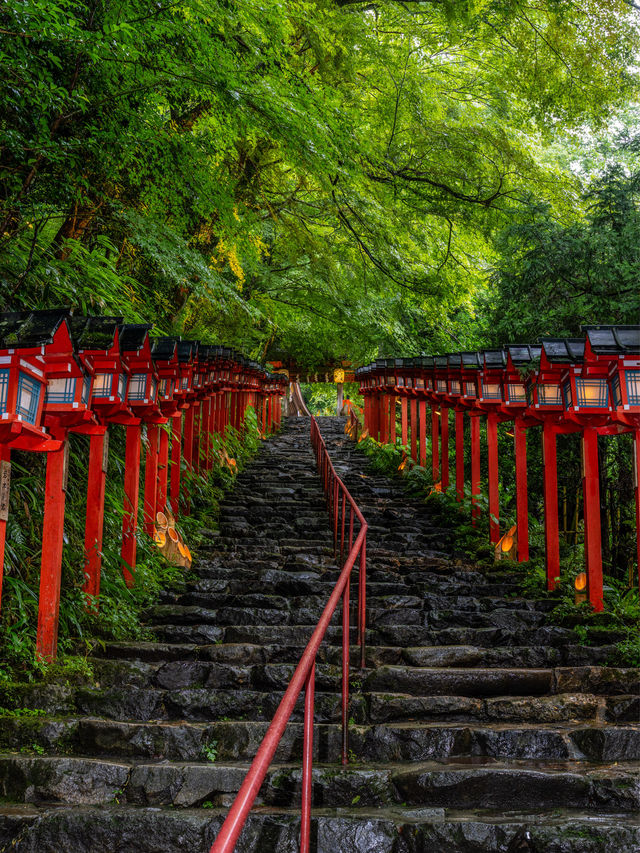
5,487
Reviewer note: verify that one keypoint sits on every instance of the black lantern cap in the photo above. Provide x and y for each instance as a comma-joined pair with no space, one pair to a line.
164,349
495,358
186,350
613,340
28,329
94,333
564,349
133,336
471,360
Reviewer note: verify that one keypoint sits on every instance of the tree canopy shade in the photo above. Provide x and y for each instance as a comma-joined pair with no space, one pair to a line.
316,178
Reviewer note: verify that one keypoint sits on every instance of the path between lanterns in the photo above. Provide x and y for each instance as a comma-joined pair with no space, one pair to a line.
474,720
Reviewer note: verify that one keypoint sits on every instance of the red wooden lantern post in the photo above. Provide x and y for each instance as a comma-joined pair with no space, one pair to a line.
421,383
24,341
490,389
515,405
544,397
185,350
142,394
442,395
469,370
167,364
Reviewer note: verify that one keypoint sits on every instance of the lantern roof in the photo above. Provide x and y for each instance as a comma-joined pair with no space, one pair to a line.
563,350
98,334
186,350
135,336
164,349
523,354
613,340
495,359
28,329
471,360
441,361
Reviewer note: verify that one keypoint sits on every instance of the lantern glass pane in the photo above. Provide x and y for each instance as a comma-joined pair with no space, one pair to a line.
184,383
86,390
549,395
154,387
615,390
60,390
517,394
633,387
122,385
4,390
469,389
102,384
454,387
400,381
593,393
391,380
491,391
419,383
568,396
137,386
442,386
165,388
409,382
28,398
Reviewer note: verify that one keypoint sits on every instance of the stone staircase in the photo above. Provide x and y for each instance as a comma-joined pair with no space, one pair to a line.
476,725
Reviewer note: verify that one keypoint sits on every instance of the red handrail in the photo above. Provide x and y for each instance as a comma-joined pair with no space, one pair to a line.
354,420
338,499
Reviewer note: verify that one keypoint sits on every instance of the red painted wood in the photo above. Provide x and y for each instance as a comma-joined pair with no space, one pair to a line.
636,477
422,432
187,452
435,445
522,505
475,465
205,438
307,761
5,456
213,428
592,534
392,419
94,522
163,472
51,564
551,527
176,458
404,421
384,419
414,429
150,480
444,447
195,452
131,496
492,460
460,455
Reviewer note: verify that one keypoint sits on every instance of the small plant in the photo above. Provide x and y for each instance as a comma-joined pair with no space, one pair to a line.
209,750
207,805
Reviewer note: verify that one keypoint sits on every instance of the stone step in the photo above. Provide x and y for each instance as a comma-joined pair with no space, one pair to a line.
119,828
391,742
454,785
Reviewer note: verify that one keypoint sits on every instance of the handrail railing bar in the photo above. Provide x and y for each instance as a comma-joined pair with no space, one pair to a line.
304,674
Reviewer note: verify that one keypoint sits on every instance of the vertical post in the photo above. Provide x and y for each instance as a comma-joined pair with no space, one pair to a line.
435,453
189,419
205,416
52,541
404,425
551,529
460,455
422,431
362,603
163,470
414,429
492,460
591,494
176,457
307,761
5,473
392,419
131,495
195,438
384,419
474,420
150,479
444,447
340,398
94,520
345,672
636,479
522,508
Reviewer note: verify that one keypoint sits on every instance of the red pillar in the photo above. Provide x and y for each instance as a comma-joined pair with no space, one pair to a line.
5,461
492,459
392,419
460,455
636,478
51,564
189,419
94,522
205,416
422,427
131,495
414,429
384,418
551,529
444,447
404,425
195,451
591,495
475,465
163,471
176,458
435,451
150,480
522,507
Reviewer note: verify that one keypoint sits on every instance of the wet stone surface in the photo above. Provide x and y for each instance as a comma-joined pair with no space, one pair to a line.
474,723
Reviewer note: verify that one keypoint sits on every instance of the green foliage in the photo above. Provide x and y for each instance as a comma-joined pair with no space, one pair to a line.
209,750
